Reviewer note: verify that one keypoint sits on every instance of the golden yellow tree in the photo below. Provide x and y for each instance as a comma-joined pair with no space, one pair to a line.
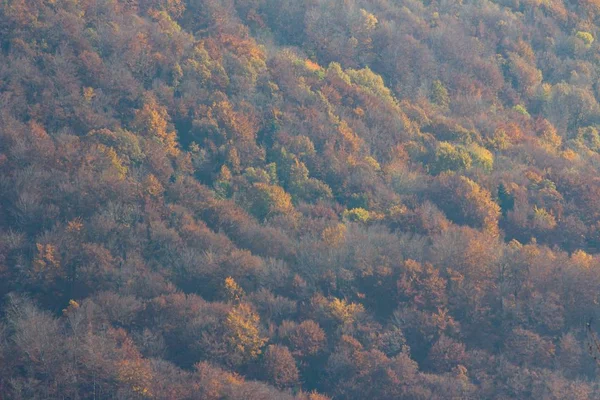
242,335
153,120
268,200
344,312
233,292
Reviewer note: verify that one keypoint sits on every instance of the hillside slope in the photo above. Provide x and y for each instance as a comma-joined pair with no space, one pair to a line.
260,199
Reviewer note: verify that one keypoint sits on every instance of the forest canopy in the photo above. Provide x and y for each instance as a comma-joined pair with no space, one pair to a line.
299,199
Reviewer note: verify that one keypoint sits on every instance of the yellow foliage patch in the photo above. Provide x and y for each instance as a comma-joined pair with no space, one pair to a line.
343,311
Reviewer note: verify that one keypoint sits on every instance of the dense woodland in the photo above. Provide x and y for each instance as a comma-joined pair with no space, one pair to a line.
308,200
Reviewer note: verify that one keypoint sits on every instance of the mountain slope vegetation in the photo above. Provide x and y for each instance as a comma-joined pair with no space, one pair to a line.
316,199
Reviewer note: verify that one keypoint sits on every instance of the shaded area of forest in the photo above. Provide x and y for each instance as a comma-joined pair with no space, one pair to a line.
260,199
